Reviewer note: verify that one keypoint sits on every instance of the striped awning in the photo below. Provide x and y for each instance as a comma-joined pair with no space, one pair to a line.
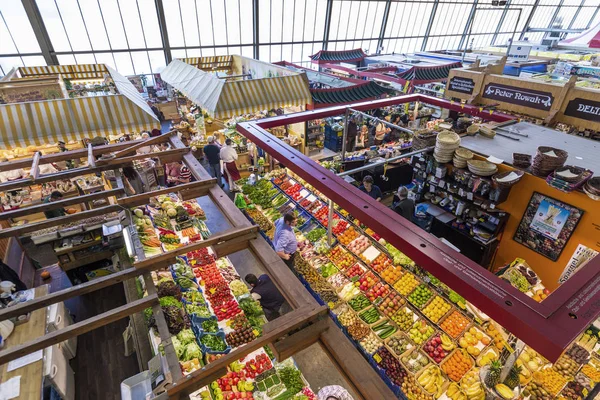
47,122
81,71
332,57
352,94
228,99
434,73
213,63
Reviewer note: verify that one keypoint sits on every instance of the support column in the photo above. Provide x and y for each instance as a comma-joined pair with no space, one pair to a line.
328,12
529,18
386,14
162,23
429,24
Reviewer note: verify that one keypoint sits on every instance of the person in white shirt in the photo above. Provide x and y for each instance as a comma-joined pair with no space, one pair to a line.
229,156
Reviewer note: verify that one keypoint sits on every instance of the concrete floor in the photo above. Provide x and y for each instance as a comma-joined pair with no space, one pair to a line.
316,366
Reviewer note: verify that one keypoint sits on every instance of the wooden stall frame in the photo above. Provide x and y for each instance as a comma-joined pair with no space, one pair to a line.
308,323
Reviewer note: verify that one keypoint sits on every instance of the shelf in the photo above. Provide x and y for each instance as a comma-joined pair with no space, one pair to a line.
86,260
78,247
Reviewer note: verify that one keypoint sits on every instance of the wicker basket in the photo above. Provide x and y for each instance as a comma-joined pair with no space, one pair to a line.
544,164
521,160
423,139
507,184
577,171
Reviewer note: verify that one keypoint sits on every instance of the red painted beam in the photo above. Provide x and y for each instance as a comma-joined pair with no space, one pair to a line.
548,327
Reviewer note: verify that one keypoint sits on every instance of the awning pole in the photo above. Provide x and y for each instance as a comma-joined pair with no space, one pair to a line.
330,224
388,160
345,134
382,121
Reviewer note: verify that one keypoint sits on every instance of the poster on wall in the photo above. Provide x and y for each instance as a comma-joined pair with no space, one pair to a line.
579,259
136,81
547,225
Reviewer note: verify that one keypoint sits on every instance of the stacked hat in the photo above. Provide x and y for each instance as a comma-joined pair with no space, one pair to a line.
445,144
482,168
461,156
592,188
547,159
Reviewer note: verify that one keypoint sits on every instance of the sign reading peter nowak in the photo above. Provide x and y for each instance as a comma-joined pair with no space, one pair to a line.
584,109
462,85
523,97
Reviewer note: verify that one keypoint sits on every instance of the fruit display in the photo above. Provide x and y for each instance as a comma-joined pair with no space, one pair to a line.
378,291
338,281
391,304
314,235
578,354
584,381
380,263
436,309
411,386
367,281
239,337
573,391
487,356
371,343
391,365
550,380
454,324
406,284
340,227
348,236
420,296
399,344
358,245
566,366
496,336
341,258
355,271
434,349
457,364
474,340
537,391
414,361
360,302
432,380
327,270
391,274
398,257
591,372
404,318
454,392
358,330
370,315
420,332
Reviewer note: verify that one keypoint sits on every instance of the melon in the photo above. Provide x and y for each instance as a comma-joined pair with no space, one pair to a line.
171,212
138,213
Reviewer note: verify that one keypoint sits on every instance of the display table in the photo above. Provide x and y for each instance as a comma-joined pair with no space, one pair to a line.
31,374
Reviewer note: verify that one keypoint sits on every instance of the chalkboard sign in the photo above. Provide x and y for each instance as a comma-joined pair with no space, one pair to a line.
462,85
584,109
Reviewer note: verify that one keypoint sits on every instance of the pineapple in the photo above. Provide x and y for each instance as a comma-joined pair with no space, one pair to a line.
493,376
512,380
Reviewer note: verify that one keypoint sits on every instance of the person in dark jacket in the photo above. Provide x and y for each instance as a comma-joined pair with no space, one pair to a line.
404,206
57,212
266,293
212,153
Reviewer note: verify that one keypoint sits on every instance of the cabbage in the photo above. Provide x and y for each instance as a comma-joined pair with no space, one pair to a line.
179,349
192,350
186,336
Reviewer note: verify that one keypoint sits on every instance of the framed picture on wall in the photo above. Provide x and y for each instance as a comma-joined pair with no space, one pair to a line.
547,225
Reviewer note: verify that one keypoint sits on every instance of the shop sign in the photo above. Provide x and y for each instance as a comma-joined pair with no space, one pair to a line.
462,85
523,97
519,53
584,109
579,70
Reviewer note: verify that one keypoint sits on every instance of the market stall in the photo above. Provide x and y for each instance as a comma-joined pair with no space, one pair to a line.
563,105
237,89
432,320
190,306
41,106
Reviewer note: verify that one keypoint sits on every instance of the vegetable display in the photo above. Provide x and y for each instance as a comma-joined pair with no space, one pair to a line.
213,342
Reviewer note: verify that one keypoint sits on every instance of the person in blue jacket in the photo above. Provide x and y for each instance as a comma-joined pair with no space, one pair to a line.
266,293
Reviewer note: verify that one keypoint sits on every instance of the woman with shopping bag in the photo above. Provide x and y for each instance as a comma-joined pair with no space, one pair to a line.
228,159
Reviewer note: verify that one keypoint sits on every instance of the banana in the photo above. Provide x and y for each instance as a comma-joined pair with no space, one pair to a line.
425,378
473,390
452,390
504,391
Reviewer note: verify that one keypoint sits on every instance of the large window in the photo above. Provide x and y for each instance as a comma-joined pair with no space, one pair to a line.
127,34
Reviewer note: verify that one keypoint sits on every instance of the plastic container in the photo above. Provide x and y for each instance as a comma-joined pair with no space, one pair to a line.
136,387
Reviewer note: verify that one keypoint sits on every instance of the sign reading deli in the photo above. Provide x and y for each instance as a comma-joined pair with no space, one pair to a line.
584,109
523,97
461,85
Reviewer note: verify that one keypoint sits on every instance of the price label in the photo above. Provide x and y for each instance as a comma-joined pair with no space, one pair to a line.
441,184
311,198
470,196
304,193
256,333
377,358
293,182
432,188
461,192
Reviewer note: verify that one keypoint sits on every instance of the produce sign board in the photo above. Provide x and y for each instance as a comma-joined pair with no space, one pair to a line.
573,306
462,85
523,97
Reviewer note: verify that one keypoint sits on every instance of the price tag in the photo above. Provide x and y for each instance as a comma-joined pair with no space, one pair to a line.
256,333
461,192
293,182
439,173
377,358
585,392
432,188
441,184
311,198
304,193
470,195
492,206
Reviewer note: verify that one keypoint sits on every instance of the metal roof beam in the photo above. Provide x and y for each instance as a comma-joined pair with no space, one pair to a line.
429,24
39,29
162,23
